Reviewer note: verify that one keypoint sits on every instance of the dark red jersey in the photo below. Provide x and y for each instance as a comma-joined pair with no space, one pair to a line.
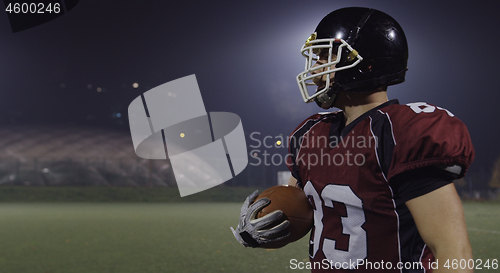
348,172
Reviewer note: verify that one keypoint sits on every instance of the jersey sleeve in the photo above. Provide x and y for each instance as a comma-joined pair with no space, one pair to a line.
427,135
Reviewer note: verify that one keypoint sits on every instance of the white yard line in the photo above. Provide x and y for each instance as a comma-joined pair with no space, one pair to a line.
484,230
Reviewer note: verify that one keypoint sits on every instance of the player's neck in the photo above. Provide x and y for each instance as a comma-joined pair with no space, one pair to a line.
356,104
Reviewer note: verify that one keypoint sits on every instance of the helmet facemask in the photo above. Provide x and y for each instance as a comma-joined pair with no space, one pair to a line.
341,56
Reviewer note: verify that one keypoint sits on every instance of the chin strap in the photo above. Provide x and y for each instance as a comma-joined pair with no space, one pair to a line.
326,100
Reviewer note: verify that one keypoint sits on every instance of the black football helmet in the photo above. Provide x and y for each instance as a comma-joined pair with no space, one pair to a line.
366,49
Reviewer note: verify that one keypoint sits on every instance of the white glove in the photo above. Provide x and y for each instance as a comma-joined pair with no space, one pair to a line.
254,232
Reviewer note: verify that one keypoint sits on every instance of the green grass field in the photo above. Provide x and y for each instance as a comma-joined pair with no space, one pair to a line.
163,237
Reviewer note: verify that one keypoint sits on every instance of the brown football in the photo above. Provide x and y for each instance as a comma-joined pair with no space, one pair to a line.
296,208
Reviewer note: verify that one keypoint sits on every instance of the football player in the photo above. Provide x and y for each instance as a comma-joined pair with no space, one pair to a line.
379,174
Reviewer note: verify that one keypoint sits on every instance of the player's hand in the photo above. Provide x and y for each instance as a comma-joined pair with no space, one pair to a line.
254,232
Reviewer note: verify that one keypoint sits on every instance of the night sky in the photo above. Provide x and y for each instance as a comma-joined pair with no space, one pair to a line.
245,56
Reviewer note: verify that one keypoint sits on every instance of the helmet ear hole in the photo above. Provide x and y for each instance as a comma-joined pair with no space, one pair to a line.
365,67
